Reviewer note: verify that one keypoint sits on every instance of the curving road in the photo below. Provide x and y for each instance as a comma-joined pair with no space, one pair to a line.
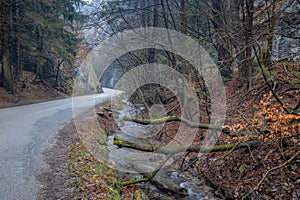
25,132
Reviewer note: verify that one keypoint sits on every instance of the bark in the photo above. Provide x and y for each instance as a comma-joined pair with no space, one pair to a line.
266,52
137,145
144,13
15,43
189,148
268,84
38,65
142,180
164,184
151,51
57,73
247,68
7,77
146,179
175,118
222,45
171,56
168,186
183,19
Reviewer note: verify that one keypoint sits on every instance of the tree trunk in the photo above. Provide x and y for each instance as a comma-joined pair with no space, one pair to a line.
175,118
15,43
222,46
59,62
247,68
183,19
7,77
164,184
189,148
270,37
38,65
151,51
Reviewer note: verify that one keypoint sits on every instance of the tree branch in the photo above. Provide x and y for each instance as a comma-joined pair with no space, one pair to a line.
267,82
175,118
270,170
189,148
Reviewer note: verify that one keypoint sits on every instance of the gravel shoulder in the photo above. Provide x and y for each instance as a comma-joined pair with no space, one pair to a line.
54,178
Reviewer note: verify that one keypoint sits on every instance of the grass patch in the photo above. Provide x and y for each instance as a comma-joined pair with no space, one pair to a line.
92,179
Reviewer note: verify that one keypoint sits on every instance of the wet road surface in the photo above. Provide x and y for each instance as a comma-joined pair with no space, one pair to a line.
25,132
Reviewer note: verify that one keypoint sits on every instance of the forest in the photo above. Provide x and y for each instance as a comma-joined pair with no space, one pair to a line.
255,45
37,37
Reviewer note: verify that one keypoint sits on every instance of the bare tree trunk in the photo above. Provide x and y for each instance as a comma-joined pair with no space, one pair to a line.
151,52
59,62
144,13
271,26
183,19
222,46
246,70
15,43
7,77
38,65
122,143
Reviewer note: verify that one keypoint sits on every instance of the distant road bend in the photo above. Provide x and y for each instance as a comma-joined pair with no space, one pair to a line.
25,132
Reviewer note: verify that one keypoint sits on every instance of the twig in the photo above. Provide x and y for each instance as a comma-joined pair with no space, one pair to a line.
252,154
191,162
149,177
183,160
244,118
268,84
227,154
265,175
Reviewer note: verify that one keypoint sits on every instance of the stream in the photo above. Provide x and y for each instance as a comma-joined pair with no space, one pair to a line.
129,160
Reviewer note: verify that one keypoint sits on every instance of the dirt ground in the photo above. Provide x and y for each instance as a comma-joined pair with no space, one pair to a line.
55,177
28,91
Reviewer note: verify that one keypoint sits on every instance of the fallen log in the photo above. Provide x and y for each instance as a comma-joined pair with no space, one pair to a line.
162,183
169,186
142,180
189,148
175,118
141,146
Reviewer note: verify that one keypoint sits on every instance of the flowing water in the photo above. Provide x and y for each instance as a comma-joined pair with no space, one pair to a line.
127,160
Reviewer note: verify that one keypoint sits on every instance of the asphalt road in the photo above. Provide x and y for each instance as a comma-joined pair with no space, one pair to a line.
25,132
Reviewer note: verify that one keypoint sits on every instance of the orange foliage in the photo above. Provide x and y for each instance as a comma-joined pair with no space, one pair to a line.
269,121
83,51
